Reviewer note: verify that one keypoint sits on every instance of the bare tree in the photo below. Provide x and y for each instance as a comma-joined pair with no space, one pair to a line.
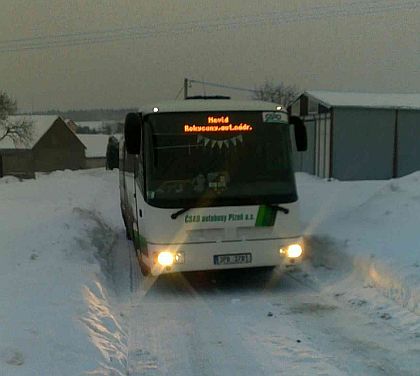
277,93
19,130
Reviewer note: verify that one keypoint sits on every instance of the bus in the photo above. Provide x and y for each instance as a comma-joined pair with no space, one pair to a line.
209,184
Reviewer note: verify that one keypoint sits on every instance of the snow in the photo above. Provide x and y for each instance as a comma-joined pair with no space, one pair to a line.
367,100
374,224
72,301
41,124
51,237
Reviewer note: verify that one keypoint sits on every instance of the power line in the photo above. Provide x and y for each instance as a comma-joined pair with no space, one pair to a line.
274,18
144,32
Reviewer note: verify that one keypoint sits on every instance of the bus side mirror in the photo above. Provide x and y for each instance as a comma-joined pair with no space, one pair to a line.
132,132
301,137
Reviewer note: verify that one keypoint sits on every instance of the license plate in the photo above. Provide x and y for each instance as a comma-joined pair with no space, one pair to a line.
237,258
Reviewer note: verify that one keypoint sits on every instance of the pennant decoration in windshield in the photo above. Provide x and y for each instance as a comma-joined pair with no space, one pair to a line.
220,143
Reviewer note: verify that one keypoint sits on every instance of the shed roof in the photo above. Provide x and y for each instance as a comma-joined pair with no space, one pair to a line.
41,124
369,100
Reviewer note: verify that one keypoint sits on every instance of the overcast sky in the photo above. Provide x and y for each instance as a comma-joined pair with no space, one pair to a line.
126,53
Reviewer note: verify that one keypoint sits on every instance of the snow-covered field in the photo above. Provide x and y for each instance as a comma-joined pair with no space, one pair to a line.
72,301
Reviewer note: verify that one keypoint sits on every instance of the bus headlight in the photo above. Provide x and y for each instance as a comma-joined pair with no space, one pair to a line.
292,251
165,258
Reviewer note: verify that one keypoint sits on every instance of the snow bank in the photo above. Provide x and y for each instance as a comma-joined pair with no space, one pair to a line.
372,226
56,234
9,179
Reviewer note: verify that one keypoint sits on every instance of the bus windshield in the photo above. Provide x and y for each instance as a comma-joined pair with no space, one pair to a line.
215,159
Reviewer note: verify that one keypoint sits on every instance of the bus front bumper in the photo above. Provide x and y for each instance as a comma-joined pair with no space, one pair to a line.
223,255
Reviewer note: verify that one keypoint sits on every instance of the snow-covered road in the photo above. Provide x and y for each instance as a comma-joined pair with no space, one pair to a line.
73,301
256,322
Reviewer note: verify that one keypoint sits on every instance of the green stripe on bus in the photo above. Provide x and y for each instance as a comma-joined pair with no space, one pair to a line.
140,242
266,216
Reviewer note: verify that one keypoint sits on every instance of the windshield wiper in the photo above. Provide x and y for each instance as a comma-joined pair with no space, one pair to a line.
179,212
278,208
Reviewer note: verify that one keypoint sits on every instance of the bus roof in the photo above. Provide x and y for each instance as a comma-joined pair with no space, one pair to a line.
198,105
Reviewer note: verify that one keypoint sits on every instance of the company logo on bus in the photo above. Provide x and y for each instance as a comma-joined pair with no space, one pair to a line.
217,125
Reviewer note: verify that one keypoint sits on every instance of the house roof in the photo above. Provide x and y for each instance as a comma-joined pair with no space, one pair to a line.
367,100
41,124
96,144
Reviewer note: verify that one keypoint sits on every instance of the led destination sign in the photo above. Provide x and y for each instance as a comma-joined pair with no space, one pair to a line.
217,124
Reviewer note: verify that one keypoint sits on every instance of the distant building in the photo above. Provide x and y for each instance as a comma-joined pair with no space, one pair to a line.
100,127
89,127
96,145
54,146
359,136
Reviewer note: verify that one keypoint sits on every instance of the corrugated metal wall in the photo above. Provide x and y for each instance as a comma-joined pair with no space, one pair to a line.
367,143
363,143
408,155
323,145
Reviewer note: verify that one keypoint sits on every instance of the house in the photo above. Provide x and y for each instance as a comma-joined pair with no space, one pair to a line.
359,136
54,146
96,145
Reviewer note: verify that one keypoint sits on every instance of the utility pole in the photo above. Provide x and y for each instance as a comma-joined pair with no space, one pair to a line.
185,88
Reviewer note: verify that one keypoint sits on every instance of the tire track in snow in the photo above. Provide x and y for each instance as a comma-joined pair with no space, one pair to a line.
220,324
190,325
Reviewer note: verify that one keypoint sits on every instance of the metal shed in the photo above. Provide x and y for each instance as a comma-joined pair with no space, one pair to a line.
359,136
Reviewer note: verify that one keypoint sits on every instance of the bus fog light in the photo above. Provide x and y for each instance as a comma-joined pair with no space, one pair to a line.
165,258
294,251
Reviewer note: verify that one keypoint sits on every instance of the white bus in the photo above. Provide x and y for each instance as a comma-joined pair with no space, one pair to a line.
209,184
